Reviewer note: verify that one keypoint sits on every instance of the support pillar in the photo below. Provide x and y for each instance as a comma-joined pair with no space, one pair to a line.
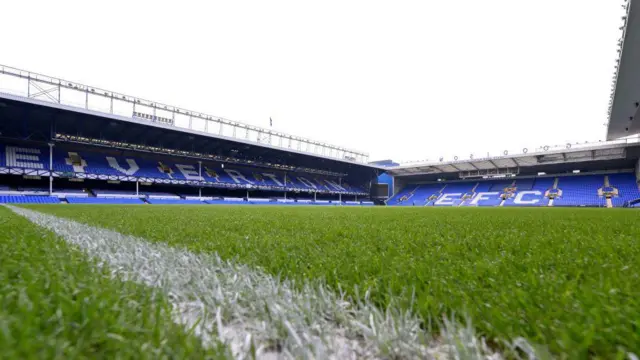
247,195
200,176
315,196
50,169
137,188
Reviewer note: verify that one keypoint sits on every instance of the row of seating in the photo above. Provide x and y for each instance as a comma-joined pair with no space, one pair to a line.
28,199
34,199
606,190
85,164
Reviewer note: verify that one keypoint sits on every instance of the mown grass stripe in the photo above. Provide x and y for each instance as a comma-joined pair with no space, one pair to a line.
57,303
251,310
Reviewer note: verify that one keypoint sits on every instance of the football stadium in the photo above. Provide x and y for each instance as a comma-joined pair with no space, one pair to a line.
131,228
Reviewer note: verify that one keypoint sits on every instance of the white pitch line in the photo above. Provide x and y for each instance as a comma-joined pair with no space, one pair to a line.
246,309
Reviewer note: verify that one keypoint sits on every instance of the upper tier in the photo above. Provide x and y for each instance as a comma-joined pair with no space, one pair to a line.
98,165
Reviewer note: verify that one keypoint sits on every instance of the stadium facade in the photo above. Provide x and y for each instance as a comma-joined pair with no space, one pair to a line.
62,141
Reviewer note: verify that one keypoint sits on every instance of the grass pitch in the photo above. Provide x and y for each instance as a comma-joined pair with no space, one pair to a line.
57,304
567,279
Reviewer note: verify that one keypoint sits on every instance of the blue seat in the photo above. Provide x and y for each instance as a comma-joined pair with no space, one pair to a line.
627,188
28,199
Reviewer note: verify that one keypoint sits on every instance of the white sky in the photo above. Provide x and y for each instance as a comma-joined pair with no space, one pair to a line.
406,80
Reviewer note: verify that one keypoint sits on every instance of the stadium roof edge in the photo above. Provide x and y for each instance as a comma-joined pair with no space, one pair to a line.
57,85
159,125
544,156
623,111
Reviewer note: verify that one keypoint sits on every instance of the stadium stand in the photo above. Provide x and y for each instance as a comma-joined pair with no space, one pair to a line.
427,193
626,187
28,199
580,191
532,193
68,155
455,193
418,195
524,184
499,185
88,164
403,196
590,190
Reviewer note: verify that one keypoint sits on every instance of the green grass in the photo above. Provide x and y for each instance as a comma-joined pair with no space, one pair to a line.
564,278
57,304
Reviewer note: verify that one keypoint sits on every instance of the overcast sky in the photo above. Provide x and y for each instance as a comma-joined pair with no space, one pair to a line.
405,80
